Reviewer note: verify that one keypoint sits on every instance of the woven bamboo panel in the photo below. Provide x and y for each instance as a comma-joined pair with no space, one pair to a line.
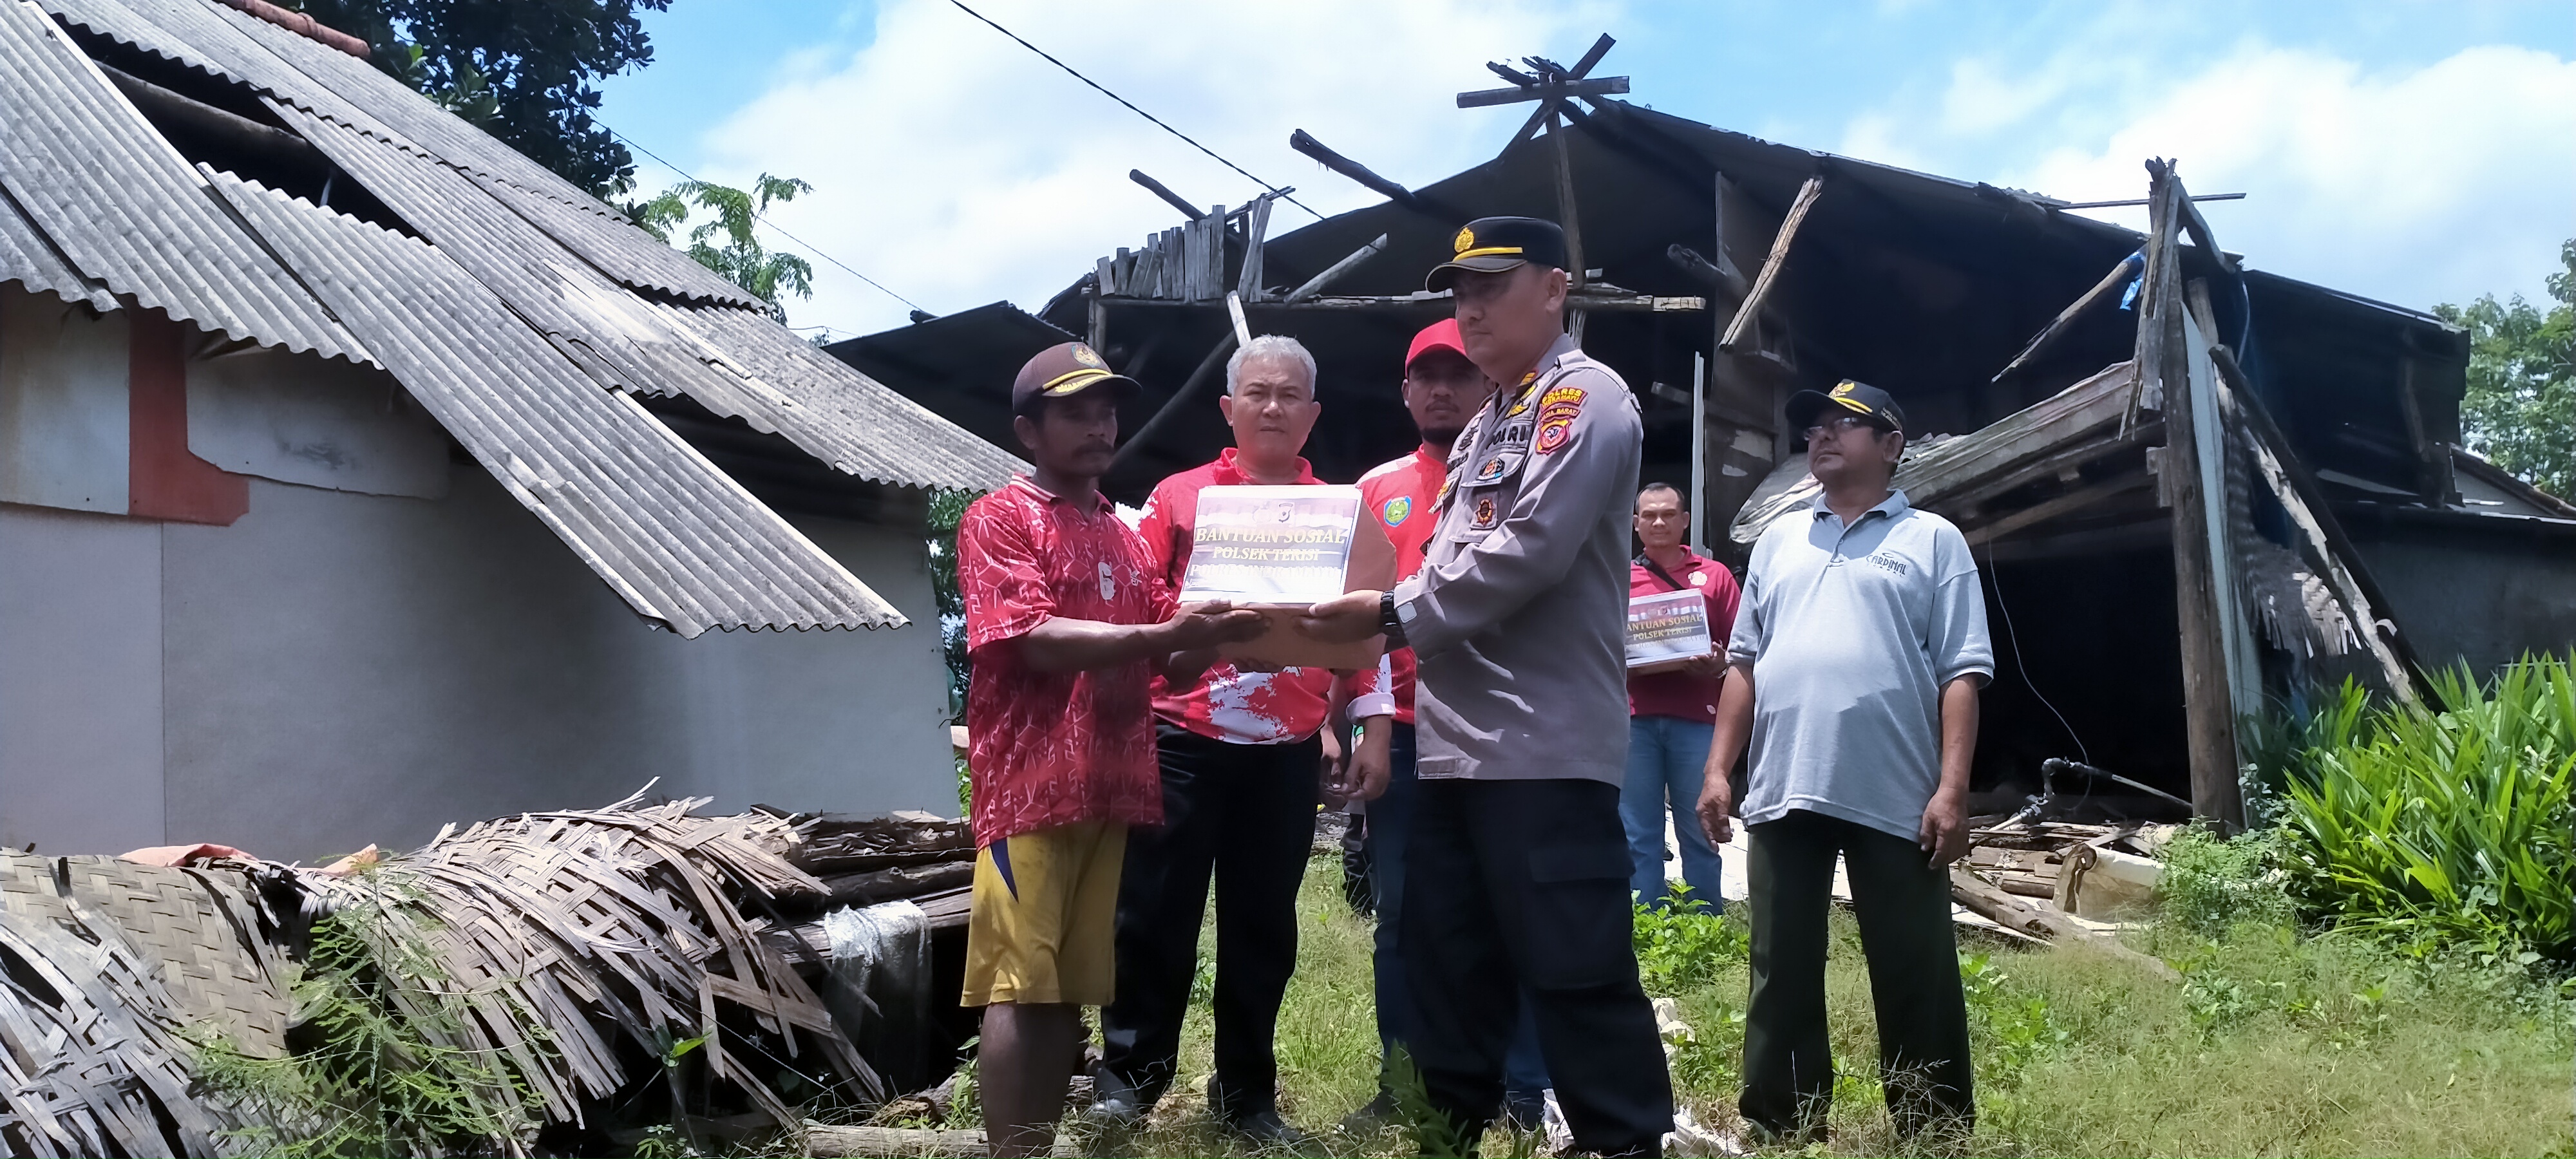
197,929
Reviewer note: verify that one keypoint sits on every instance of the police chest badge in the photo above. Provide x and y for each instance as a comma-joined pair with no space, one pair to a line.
1487,514
1396,511
1556,413
1496,467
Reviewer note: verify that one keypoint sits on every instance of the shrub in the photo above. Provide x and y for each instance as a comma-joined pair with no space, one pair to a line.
2210,884
1685,943
2453,824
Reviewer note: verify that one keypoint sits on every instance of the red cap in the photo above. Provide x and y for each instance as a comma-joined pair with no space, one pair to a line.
1440,335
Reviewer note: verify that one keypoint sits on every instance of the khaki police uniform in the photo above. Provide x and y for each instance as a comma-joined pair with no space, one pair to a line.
1518,871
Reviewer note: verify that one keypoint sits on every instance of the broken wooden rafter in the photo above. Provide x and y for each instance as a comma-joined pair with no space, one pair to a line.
1210,366
1165,192
2047,509
1582,68
2129,268
1544,91
1305,142
1763,281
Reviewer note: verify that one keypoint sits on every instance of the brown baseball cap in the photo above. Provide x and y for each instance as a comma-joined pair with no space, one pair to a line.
1062,371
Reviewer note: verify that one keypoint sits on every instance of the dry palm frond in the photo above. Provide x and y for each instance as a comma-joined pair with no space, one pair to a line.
562,930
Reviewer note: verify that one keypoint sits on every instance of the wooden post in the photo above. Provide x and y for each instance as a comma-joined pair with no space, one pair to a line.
1699,455
2209,708
1567,218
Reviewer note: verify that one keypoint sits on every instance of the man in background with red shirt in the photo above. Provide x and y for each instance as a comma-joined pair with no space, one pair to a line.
1067,621
1672,715
1241,762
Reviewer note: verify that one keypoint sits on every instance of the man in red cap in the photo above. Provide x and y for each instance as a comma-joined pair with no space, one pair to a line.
1067,621
1441,389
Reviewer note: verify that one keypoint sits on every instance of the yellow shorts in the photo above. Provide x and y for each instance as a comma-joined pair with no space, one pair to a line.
1045,917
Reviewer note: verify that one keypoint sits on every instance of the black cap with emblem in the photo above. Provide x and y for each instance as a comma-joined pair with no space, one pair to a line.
1491,244
1858,398
1061,371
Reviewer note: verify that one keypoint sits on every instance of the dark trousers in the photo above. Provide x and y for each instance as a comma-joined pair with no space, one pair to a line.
1520,888
1390,834
1903,904
1244,815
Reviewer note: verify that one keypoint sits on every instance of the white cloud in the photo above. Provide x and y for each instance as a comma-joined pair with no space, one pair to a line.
2415,186
957,167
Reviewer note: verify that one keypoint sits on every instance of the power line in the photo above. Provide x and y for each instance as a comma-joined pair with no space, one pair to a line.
1131,107
764,220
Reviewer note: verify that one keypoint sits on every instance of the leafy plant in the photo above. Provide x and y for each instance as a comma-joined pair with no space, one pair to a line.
1684,943
373,1069
2522,380
524,70
2453,824
2015,1028
2210,883
740,259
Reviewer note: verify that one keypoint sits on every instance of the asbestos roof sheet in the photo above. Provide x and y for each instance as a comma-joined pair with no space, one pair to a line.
735,362
124,208
682,542
28,258
328,83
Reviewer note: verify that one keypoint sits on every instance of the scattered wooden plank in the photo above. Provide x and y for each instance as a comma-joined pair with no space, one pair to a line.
850,1142
2043,921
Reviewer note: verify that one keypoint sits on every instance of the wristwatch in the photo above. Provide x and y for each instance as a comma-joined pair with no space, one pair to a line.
1388,621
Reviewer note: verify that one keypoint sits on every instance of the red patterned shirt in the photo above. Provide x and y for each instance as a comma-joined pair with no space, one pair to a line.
1229,704
1681,695
1054,748
1399,494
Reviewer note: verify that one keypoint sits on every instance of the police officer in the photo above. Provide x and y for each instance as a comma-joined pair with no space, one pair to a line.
1518,872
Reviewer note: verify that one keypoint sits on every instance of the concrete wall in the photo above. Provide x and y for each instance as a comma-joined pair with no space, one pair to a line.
337,669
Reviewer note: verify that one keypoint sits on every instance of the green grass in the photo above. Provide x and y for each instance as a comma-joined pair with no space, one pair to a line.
2274,1044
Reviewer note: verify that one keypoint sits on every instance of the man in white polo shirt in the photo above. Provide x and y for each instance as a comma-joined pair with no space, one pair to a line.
1858,652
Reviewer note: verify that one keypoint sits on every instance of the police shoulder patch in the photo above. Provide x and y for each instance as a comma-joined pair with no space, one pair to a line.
1557,409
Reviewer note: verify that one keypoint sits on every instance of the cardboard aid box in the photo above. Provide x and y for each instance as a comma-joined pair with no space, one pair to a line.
1282,550
1666,630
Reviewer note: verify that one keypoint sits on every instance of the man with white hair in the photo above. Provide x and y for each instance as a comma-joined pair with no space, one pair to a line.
1241,759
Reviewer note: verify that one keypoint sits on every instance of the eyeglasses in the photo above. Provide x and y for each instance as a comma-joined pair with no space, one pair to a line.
1835,426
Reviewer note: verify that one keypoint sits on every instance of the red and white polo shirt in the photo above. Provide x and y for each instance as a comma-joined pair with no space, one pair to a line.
1399,495
1229,704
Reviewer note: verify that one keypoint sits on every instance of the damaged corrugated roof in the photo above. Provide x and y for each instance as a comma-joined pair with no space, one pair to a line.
676,537
117,201
525,322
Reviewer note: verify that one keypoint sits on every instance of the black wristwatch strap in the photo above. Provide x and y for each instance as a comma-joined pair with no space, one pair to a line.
1388,621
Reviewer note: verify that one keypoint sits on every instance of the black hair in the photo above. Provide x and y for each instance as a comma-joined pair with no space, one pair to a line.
1660,485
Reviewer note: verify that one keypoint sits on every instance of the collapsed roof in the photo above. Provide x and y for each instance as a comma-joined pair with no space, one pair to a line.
1728,272
187,157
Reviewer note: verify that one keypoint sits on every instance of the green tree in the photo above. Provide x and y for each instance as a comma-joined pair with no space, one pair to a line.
524,70
765,273
2520,409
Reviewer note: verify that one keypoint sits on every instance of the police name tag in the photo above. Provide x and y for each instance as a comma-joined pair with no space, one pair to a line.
1667,629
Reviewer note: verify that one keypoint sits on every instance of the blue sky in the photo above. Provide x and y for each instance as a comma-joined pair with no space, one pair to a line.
2416,152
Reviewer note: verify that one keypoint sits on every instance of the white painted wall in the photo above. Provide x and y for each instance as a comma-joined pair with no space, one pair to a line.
337,669
64,410
80,681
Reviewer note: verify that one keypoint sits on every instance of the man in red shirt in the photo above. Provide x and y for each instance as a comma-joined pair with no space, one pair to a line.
1672,715
1241,761
1067,622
